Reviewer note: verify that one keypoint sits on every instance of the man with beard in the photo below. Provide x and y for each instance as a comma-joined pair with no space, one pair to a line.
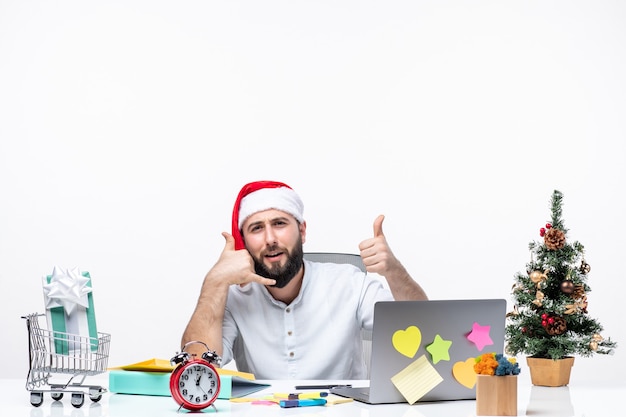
280,316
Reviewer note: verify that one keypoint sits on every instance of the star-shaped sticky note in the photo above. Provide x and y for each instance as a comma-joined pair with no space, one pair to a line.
480,336
439,349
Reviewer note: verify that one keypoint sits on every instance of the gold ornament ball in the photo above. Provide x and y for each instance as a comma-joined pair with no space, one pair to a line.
538,277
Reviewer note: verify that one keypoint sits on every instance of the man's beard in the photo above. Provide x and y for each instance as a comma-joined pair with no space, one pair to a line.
282,274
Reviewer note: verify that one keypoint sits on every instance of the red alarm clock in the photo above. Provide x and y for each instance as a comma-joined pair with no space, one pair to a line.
195,383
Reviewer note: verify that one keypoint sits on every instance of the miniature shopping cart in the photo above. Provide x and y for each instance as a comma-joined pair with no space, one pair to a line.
52,352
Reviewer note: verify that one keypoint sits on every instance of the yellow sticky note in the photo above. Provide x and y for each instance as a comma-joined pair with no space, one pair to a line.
416,380
333,399
407,341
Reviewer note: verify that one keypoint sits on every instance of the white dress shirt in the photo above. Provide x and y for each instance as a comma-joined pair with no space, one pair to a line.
317,336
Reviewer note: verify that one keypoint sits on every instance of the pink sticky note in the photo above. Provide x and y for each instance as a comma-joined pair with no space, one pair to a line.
263,402
480,336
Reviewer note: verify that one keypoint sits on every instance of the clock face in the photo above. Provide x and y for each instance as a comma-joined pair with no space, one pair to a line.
195,385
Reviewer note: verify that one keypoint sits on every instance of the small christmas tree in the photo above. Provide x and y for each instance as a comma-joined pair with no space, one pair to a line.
550,317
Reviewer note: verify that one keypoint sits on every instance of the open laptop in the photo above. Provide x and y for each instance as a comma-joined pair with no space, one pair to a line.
449,335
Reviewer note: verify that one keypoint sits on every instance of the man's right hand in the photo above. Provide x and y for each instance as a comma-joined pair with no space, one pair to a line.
236,267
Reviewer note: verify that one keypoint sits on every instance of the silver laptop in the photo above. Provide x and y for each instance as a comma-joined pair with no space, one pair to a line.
459,329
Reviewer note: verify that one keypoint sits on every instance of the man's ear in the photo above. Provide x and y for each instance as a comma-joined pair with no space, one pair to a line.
303,231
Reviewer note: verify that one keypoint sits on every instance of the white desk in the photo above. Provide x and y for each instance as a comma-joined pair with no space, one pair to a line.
576,400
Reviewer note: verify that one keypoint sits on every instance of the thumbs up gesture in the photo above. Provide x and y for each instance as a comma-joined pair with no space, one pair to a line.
375,251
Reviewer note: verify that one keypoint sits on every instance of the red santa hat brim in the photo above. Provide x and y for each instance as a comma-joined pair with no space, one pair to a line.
260,196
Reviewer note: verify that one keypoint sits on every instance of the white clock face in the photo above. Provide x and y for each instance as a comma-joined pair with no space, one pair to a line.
197,384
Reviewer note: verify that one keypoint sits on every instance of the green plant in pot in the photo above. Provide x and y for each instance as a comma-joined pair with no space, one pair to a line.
550,321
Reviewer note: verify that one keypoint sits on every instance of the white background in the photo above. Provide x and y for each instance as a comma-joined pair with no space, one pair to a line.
128,127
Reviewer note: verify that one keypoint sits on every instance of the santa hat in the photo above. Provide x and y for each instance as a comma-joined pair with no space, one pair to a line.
264,195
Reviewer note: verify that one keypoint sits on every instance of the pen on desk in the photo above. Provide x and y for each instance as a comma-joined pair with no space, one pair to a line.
329,386
300,395
302,403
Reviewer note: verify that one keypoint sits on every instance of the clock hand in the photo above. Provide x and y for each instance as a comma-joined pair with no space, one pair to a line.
200,386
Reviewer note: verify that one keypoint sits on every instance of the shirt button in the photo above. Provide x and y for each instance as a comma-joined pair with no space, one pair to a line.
291,354
289,333
288,310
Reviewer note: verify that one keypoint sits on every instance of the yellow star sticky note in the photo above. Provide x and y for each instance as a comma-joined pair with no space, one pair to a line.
416,380
439,349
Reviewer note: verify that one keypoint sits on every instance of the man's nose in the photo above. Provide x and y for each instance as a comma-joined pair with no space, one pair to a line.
270,236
